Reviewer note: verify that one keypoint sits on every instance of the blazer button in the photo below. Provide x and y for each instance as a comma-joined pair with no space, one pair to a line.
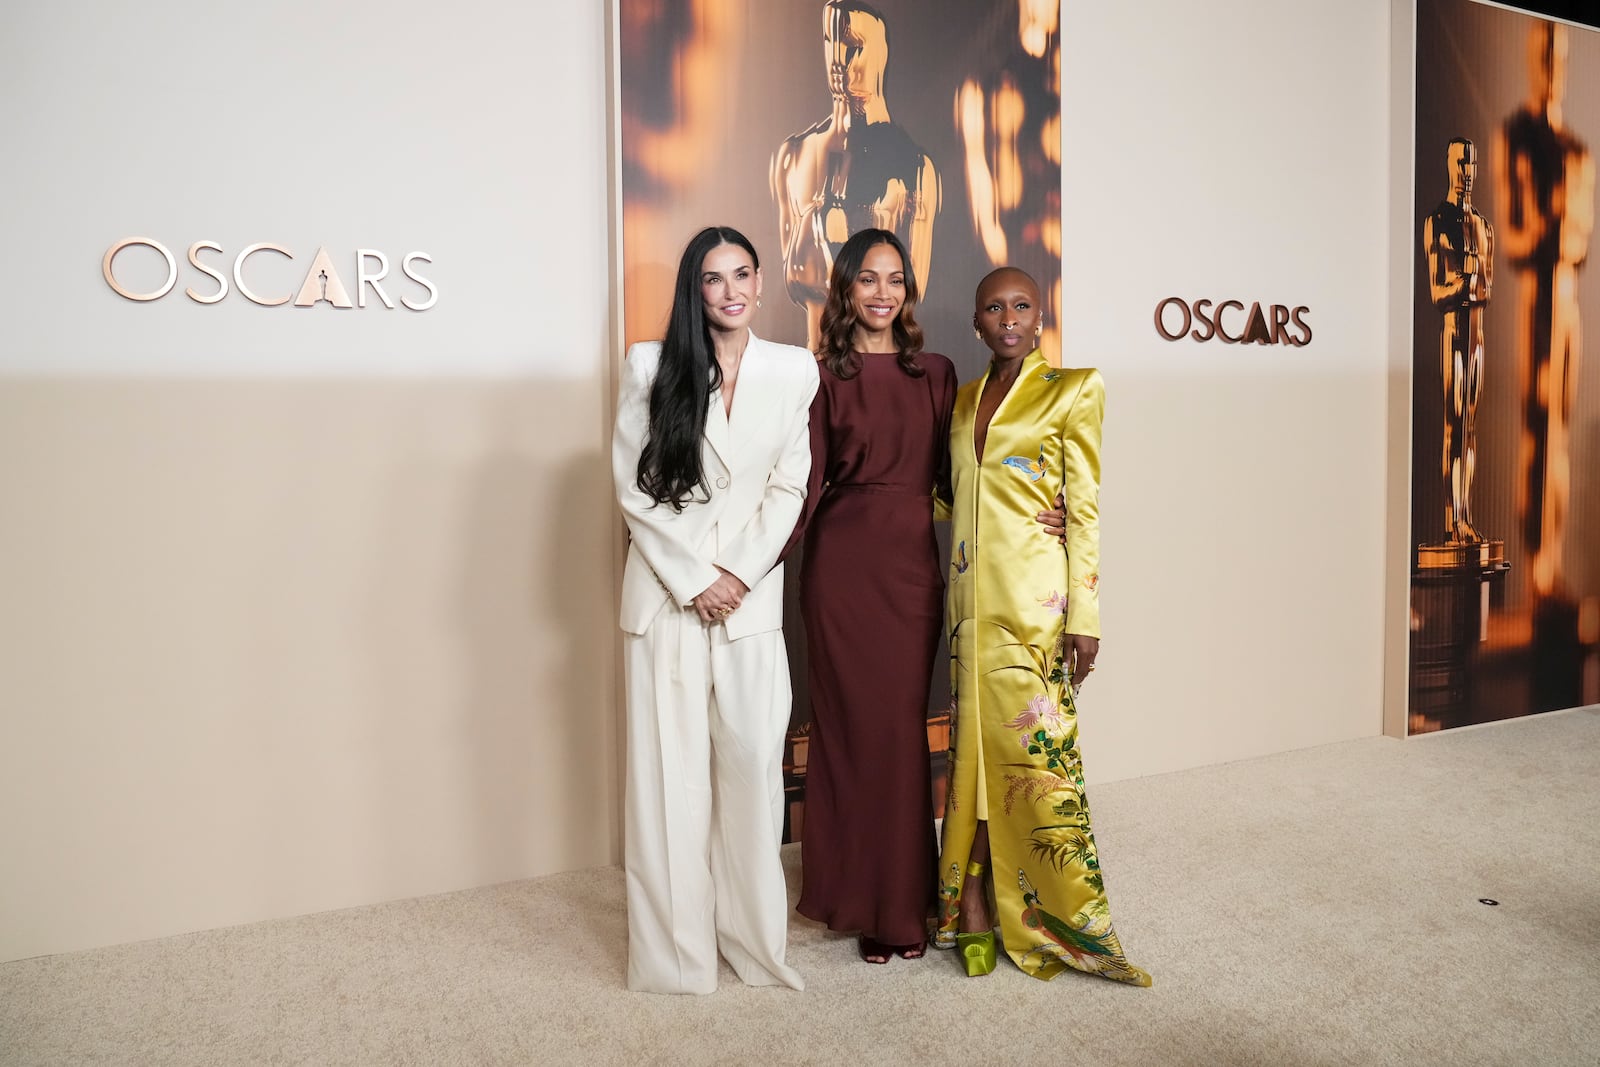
722,483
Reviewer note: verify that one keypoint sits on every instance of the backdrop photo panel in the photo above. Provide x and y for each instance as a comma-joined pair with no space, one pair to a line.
1505,586
799,122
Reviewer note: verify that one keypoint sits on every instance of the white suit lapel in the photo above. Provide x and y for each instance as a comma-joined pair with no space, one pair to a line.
717,434
751,400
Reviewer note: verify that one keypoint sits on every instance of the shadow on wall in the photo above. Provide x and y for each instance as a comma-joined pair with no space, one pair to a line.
574,607
275,646
524,611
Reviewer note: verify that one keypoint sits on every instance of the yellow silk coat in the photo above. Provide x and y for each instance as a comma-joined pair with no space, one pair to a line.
1013,596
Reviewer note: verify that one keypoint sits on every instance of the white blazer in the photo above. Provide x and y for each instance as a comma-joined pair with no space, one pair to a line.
756,463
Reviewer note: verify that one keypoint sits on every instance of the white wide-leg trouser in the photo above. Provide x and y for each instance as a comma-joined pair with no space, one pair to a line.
704,807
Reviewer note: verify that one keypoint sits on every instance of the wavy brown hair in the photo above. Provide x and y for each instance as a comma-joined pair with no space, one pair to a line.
836,349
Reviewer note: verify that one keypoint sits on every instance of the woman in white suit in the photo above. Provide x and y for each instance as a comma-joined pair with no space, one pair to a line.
710,459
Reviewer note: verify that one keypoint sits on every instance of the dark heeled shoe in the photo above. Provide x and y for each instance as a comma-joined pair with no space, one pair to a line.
912,952
873,951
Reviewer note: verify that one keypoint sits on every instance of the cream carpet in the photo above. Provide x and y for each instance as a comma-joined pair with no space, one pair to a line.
1316,907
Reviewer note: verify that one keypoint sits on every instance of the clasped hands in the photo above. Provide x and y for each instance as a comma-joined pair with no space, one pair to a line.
720,598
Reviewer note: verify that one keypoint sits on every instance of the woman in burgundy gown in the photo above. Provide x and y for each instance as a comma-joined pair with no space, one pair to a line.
872,596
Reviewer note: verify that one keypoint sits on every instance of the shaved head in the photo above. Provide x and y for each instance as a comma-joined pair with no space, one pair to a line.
1007,277
1007,314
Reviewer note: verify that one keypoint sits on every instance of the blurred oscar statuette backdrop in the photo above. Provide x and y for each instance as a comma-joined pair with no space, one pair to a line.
1505,518
799,122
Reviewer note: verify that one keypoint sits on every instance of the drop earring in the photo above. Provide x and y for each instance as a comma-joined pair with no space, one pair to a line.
758,302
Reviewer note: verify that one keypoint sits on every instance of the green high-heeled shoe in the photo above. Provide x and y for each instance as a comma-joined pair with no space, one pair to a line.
978,949
977,952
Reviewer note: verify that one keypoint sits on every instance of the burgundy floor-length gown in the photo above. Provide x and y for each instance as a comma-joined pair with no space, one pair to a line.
872,597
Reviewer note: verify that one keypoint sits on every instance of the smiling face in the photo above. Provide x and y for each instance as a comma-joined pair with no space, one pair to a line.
879,291
730,284
1008,315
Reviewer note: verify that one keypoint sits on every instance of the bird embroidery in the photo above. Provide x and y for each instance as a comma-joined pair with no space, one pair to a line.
960,562
1078,942
1034,469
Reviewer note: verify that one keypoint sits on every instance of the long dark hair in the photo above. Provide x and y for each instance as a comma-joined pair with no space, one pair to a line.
686,376
839,319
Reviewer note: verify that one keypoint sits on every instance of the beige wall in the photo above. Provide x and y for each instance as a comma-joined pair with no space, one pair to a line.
308,609
301,608
1232,149
276,647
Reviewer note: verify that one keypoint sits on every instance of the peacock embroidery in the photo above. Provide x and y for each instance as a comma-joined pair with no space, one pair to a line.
1091,945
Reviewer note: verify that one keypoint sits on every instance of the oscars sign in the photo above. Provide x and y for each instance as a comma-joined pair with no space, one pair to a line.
1276,324
322,282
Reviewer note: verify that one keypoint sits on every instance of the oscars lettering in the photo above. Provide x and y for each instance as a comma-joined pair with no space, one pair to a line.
322,283
1230,323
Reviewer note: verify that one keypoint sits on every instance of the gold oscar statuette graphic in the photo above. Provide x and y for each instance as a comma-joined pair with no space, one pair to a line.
856,168
1450,590
1546,177
1459,243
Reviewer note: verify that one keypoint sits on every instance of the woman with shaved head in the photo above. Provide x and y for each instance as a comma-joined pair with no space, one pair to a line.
1024,625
